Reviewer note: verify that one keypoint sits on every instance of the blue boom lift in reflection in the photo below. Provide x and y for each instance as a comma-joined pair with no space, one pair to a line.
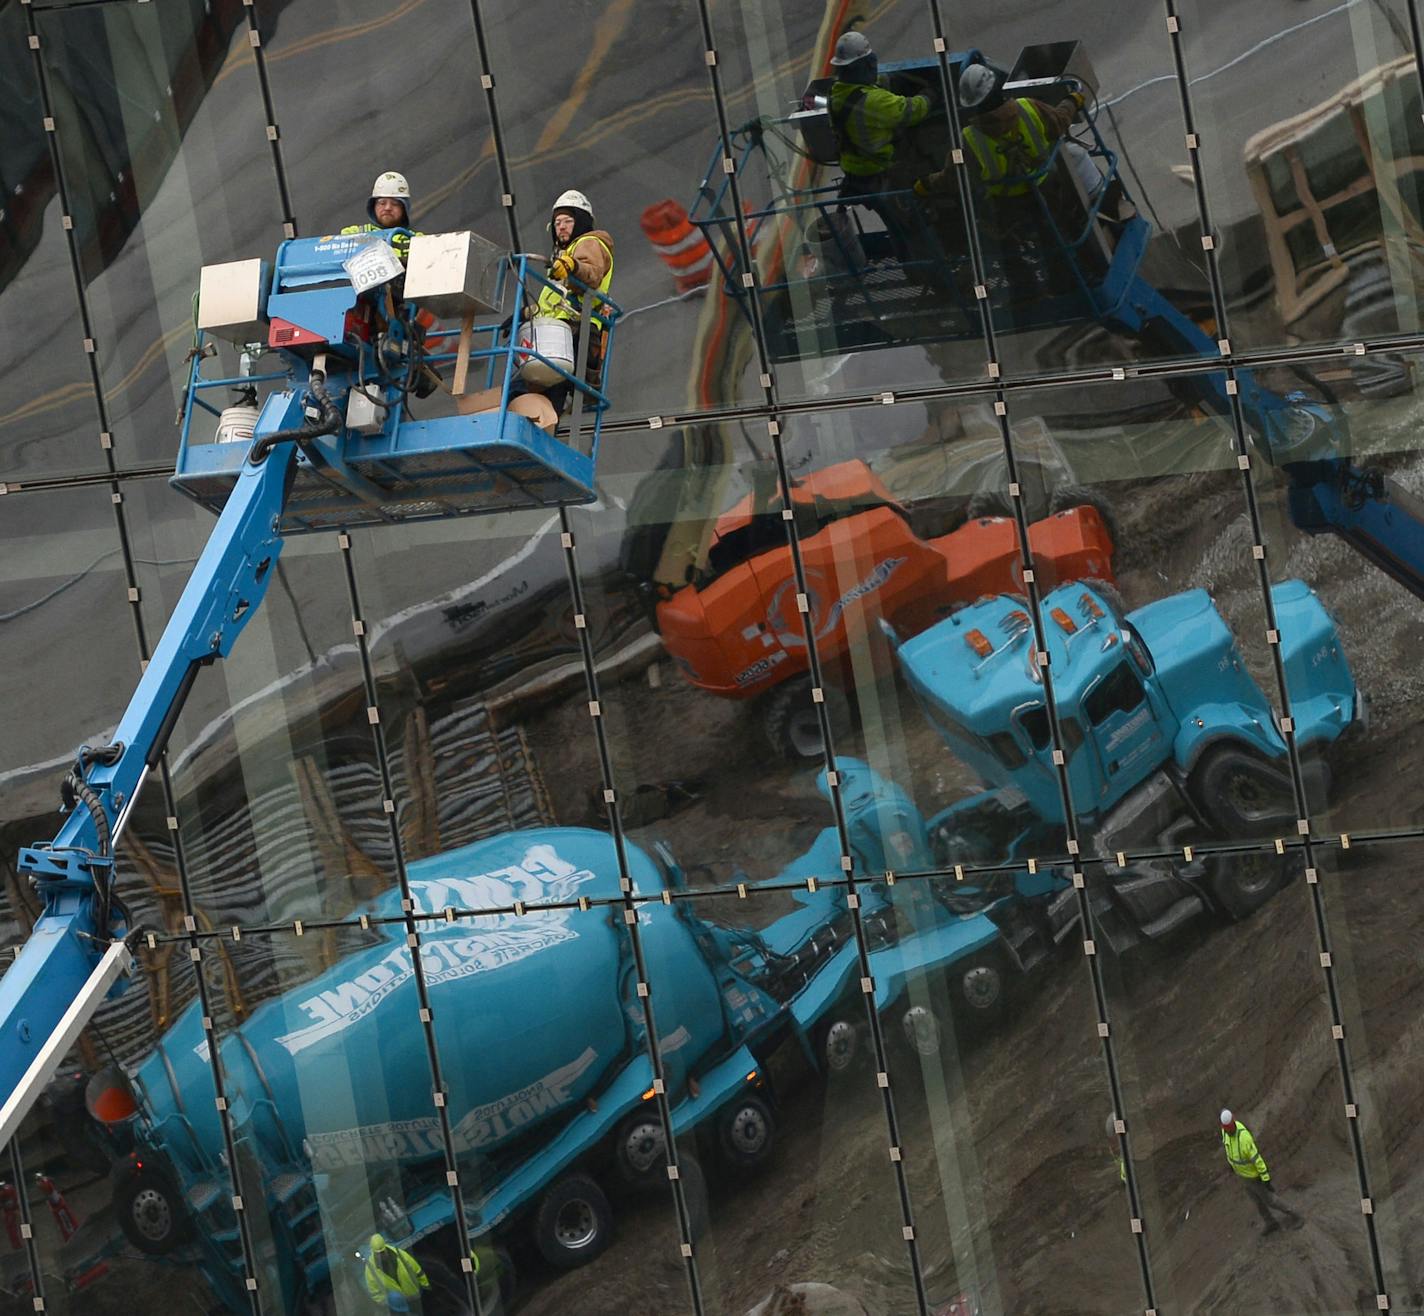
334,446
828,284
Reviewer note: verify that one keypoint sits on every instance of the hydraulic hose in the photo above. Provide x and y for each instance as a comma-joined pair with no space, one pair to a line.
328,422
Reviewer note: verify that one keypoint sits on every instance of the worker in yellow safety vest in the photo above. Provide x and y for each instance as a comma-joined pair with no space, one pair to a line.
1249,1165
388,207
582,257
394,1278
869,121
1111,1130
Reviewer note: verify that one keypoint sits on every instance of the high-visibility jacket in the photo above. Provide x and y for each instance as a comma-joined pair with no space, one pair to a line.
566,304
1242,1153
405,1276
1005,158
400,241
866,120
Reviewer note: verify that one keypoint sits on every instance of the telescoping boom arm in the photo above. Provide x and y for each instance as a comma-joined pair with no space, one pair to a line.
76,952
350,349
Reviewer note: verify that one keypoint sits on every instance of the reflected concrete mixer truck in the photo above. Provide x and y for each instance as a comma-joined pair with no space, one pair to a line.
537,1015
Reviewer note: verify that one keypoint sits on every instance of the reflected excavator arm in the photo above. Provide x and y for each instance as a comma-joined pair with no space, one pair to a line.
76,954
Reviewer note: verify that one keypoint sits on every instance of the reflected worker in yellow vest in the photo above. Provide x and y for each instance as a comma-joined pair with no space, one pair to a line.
1246,1161
584,253
1006,140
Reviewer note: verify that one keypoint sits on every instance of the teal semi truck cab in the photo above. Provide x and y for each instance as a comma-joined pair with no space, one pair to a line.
1167,738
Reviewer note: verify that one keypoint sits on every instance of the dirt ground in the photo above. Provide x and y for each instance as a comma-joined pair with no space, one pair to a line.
1013,1185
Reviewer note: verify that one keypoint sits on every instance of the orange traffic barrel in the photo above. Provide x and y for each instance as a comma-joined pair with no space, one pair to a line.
680,243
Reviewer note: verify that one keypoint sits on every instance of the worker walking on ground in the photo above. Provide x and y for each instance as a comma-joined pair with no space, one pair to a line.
868,120
1246,1160
394,1278
584,253
388,207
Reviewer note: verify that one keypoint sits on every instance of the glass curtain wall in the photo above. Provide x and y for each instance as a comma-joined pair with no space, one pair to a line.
935,835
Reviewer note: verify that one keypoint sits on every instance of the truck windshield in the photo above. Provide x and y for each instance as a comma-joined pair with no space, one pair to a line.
1118,692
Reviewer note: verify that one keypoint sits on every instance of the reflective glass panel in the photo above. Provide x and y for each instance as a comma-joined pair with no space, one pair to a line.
1193,1041
278,788
48,424
164,147
1311,132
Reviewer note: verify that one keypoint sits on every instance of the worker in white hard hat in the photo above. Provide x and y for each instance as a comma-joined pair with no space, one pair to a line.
869,121
1010,140
1245,1159
388,207
581,258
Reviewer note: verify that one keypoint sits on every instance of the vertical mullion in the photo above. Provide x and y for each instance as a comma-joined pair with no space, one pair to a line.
882,1067
274,137
1040,656
440,1093
27,1231
628,909
1241,441
487,81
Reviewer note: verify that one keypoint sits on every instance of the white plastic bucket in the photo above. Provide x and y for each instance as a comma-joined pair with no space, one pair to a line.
237,422
553,339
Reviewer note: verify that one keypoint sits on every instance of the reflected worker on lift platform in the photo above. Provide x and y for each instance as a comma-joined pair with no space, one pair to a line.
868,119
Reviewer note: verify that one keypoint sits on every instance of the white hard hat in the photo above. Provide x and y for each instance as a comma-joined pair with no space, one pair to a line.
1227,1119
852,47
390,185
978,83
573,200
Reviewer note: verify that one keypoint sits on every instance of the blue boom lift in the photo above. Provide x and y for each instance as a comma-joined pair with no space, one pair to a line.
839,286
334,445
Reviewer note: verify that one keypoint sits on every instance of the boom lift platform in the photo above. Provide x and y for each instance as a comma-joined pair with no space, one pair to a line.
334,445
833,285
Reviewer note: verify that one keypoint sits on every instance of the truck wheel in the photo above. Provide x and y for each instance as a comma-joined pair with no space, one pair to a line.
640,1148
1241,794
979,989
746,1131
791,723
1068,496
150,1211
694,1196
573,1223
989,502
837,1044
1241,884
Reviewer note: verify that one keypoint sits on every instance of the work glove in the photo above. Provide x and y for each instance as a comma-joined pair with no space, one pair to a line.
921,188
1078,98
562,267
1270,1187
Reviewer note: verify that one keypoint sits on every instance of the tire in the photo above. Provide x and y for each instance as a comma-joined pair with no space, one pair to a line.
1241,884
1068,496
640,1147
1241,794
694,1196
988,502
791,724
979,990
746,1131
151,1211
839,1044
573,1223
